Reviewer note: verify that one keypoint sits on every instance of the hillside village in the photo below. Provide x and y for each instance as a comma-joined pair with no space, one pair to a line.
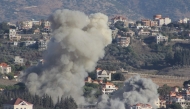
22,45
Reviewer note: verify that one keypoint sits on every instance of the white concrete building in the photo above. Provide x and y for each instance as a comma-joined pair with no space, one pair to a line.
161,38
164,21
26,24
36,22
185,20
18,104
4,68
12,32
19,60
13,35
42,44
109,88
103,74
28,43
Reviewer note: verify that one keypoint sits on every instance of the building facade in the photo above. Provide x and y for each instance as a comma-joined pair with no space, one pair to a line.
103,74
13,36
18,104
123,41
108,88
42,44
119,18
26,24
29,43
160,38
19,60
4,68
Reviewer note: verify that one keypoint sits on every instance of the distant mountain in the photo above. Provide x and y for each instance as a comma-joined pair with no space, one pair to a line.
16,10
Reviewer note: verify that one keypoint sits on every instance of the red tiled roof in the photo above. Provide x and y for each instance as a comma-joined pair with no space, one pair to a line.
108,83
98,69
118,17
17,102
3,65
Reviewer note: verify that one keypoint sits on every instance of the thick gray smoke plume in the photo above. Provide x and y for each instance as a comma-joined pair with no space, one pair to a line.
76,45
135,90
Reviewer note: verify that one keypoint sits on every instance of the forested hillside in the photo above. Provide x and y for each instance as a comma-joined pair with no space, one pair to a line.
12,10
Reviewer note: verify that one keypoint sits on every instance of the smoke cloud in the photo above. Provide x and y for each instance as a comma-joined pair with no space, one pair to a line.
135,90
76,45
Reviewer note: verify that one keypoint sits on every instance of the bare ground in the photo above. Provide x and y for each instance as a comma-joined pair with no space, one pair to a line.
7,82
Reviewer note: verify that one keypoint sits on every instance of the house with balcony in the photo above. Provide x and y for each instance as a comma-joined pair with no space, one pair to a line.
4,68
104,74
18,104
108,88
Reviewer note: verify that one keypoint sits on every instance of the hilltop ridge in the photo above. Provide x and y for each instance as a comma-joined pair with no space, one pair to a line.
11,10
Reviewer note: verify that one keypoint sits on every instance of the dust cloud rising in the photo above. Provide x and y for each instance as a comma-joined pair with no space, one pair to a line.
77,43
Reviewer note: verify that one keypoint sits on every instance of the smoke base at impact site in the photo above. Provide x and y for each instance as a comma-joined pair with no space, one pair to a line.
77,43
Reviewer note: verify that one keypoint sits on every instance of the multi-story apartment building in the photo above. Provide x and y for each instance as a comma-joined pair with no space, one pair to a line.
4,68
13,36
149,23
12,32
42,44
123,41
162,20
161,38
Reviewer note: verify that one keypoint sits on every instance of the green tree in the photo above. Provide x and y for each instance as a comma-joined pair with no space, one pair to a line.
118,77
164,90
175,106
67,103
119,25
4,27
92,75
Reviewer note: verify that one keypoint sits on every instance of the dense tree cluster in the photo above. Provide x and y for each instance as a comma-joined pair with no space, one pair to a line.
4,27
164,90
118,77
44,102
182,57
92,90
175,106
